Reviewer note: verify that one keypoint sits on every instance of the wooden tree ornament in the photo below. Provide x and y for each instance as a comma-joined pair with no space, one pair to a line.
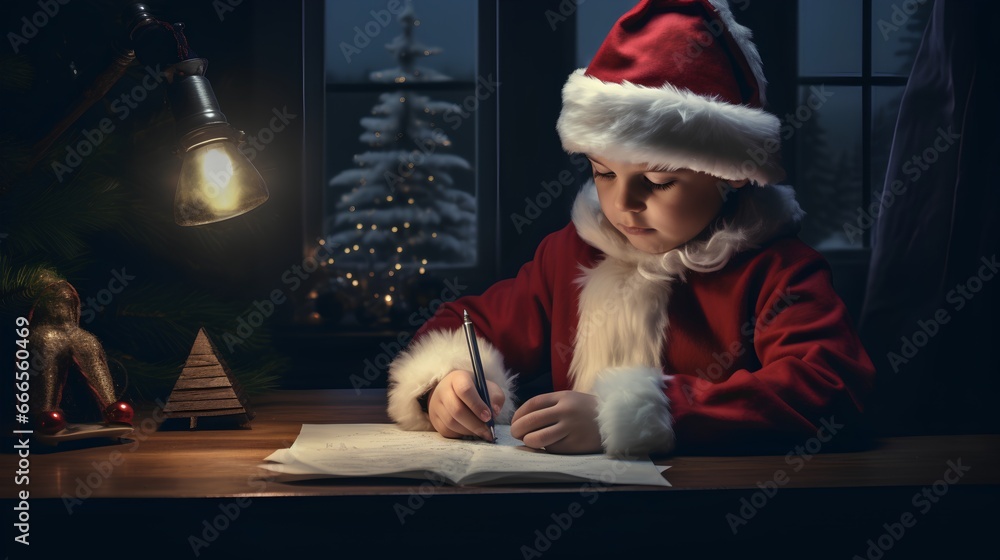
206,386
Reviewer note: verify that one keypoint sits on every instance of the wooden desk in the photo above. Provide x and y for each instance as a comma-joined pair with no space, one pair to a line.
161,492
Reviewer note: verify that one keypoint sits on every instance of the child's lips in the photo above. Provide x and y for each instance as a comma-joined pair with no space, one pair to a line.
636,231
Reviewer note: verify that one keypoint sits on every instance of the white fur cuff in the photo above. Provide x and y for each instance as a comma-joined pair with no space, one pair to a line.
426,361
633,412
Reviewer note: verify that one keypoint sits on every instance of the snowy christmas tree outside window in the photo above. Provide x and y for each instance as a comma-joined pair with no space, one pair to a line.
401,194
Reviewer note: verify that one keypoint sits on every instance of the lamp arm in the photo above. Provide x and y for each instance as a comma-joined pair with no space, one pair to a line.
97,89
157,42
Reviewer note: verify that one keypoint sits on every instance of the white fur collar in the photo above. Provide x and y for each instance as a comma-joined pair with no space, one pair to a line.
624,298
751,216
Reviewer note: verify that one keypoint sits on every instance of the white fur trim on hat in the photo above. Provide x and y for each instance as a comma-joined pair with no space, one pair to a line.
669,127
426,361
633,412
744,39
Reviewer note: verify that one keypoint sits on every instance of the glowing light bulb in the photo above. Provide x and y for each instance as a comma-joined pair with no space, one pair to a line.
216,182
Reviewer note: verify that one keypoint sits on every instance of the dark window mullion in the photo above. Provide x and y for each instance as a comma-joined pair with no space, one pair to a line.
370,87
853,80
866,110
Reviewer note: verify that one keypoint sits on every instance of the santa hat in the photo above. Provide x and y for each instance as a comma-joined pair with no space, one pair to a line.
677,84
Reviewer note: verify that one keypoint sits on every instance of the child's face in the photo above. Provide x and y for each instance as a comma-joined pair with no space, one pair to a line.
657,211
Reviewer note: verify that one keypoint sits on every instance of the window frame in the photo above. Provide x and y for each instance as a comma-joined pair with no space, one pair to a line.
866,81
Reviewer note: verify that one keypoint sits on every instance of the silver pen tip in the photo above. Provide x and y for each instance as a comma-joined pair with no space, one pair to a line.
493,432
466,313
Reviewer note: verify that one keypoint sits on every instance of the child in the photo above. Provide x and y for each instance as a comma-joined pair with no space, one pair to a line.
678,310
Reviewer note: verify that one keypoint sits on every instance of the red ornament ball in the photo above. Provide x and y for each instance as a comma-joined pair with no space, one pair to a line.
51,422
119,413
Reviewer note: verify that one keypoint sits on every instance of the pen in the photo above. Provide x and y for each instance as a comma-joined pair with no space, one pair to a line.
478,375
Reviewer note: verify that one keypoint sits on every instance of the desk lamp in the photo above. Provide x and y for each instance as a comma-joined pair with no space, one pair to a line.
216,181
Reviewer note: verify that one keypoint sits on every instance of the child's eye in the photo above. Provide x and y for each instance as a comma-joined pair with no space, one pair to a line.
662,186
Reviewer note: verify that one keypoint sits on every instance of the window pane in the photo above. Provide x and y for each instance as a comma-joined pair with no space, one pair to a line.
829,38
400,199
357,32
885,109
594,20
897,27
828,143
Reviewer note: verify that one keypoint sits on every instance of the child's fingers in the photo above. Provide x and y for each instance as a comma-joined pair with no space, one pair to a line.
537,402
533,421
465,389
547,437
497,398
469,410
466,423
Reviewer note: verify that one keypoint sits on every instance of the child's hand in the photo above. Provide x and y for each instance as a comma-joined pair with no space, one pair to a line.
456,409
561,422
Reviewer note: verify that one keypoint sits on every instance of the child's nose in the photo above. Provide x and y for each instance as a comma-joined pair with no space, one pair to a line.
630,198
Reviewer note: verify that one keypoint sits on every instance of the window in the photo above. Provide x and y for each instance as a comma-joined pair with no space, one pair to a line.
402,197
854,57
594,20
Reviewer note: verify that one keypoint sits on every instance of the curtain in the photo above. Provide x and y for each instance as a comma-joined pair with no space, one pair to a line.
931,310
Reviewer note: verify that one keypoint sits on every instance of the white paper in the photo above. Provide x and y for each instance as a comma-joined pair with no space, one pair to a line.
360,450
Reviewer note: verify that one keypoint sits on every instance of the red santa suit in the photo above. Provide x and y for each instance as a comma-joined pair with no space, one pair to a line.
737,335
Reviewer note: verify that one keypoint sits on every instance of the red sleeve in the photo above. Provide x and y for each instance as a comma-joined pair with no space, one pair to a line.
814,371
513,314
